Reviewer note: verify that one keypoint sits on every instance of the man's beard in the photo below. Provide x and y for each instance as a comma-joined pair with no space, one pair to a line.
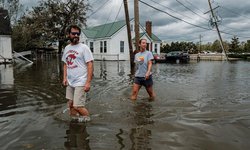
74,40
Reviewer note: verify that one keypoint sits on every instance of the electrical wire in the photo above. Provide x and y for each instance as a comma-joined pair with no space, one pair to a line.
98,9
191,10
174,16
115,18
187,21
234,12
170,9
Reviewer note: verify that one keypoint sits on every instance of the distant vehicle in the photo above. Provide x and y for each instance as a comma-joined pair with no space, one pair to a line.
209,52
177,56
159,58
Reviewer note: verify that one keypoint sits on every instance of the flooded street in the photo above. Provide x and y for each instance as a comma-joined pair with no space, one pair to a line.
199,106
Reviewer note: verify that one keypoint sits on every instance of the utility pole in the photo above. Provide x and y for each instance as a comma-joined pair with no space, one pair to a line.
218,31
136,13
132,64
200,42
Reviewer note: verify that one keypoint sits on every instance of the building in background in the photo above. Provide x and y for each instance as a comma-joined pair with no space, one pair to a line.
5,37
110,41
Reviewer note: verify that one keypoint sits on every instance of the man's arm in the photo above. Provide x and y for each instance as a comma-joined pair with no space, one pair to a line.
89,76
65,82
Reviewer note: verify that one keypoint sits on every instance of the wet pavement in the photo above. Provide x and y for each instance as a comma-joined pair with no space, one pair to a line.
204,105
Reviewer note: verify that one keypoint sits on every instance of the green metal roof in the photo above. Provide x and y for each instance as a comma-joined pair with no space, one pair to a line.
155,38
90,33
107,30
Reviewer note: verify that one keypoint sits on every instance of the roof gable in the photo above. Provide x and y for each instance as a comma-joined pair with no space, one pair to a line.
106,30
153,37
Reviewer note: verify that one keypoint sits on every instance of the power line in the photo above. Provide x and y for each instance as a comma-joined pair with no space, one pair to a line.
95,1
187,21
234,34
234,12
106,21
115,18
171,9
174,16
190,9
194,6
98,9
222,25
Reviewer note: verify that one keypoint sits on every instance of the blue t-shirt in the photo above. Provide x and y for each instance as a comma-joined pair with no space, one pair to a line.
141,61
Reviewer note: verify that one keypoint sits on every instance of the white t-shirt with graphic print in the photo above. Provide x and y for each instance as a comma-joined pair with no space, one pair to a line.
76,58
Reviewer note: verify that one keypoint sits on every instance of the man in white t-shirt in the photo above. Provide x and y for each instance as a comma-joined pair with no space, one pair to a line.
78,72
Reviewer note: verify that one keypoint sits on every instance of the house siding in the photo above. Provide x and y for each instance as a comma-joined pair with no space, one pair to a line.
5,36
5,47
116,38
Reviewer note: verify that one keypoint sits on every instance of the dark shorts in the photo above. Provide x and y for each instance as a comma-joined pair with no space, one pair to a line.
143,82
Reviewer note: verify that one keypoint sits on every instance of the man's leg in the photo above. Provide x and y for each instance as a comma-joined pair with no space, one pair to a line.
70,95
72,110
82,111
135,91
80,101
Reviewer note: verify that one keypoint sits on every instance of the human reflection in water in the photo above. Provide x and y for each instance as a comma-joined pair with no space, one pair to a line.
103,69
140,136
121,71
77,137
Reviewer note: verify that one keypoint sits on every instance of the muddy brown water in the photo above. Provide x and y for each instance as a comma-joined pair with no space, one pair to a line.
199,106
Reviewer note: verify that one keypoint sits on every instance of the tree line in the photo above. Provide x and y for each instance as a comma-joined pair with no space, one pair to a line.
234,46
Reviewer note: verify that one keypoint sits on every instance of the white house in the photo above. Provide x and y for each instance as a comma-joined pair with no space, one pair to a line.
110,41
5,37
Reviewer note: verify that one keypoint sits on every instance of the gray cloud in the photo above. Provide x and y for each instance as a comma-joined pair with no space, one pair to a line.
235,17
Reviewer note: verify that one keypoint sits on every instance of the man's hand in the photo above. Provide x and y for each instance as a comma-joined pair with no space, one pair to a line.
65,82
86,87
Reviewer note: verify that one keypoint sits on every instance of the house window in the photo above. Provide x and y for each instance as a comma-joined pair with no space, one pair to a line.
101,47
105,46
121,46
91,46
156,48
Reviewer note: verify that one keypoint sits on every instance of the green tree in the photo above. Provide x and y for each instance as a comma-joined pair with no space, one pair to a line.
165,48
247,46
234,46
206,47
179,46
50,19
216,47
14,9
24,37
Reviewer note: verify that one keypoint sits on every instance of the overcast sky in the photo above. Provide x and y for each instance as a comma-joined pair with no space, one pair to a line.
178,20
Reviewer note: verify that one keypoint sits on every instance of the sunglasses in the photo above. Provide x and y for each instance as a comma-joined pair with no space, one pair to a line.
75,33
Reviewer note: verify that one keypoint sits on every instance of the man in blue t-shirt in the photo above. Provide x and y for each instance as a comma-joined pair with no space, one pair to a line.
143,74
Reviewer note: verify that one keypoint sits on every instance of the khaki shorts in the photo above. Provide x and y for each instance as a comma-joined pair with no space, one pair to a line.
77,94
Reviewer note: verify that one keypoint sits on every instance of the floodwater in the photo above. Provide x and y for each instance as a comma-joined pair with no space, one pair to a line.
199,106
